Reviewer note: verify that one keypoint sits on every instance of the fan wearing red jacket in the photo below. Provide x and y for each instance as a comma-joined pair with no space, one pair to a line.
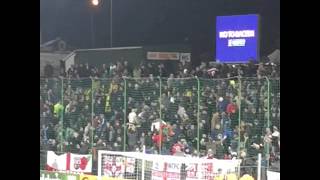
231,108
165,131
157,139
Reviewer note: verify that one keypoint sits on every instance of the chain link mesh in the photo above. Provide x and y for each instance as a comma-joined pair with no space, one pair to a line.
234,116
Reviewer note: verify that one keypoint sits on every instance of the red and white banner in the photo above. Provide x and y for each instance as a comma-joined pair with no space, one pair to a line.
113,166
117,166
192,171
78,163
157,170
206,171
202,171
163,55
166,171
130,165
56,162
173,171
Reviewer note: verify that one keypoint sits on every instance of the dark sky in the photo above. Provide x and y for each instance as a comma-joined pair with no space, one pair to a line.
140,22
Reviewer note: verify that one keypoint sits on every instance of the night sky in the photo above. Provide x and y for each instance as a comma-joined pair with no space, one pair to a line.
149,22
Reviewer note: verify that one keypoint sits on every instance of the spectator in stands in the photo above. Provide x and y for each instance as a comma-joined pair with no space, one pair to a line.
86,70
275,140
142,140
84,148
190,132
157,139
209,154
51,96
222,104
48,71
44,133
182,113
132,138
231,109
127,68
177,149
215,120
100,129
250,69
261,71
111,133
132,117
58,110
103,71
148,139
101,145
136,72
52,145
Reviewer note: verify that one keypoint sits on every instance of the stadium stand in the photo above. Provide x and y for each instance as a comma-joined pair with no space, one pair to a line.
195,110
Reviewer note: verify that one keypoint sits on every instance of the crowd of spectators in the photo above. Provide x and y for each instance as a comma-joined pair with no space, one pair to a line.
184,69
85,111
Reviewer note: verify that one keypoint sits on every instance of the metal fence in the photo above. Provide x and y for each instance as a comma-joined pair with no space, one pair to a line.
228,116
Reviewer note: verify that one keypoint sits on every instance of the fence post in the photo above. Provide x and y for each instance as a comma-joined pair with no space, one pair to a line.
125,114
239,116
99,165
160,114
62,116
92,113
143,163
268,120
268,98
259,167
198,116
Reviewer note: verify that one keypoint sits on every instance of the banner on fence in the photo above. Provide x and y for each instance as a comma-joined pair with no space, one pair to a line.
56,162
166,171
117,166
172,171
163,55
191,171
162,170
157,170
130,165
79,163
113,166
206,170
273,175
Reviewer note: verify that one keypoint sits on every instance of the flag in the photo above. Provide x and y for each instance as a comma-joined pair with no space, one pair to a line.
78,163
113,166
165,171
56,162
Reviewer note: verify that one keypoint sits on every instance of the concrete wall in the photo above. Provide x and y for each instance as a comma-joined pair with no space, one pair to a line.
53,59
